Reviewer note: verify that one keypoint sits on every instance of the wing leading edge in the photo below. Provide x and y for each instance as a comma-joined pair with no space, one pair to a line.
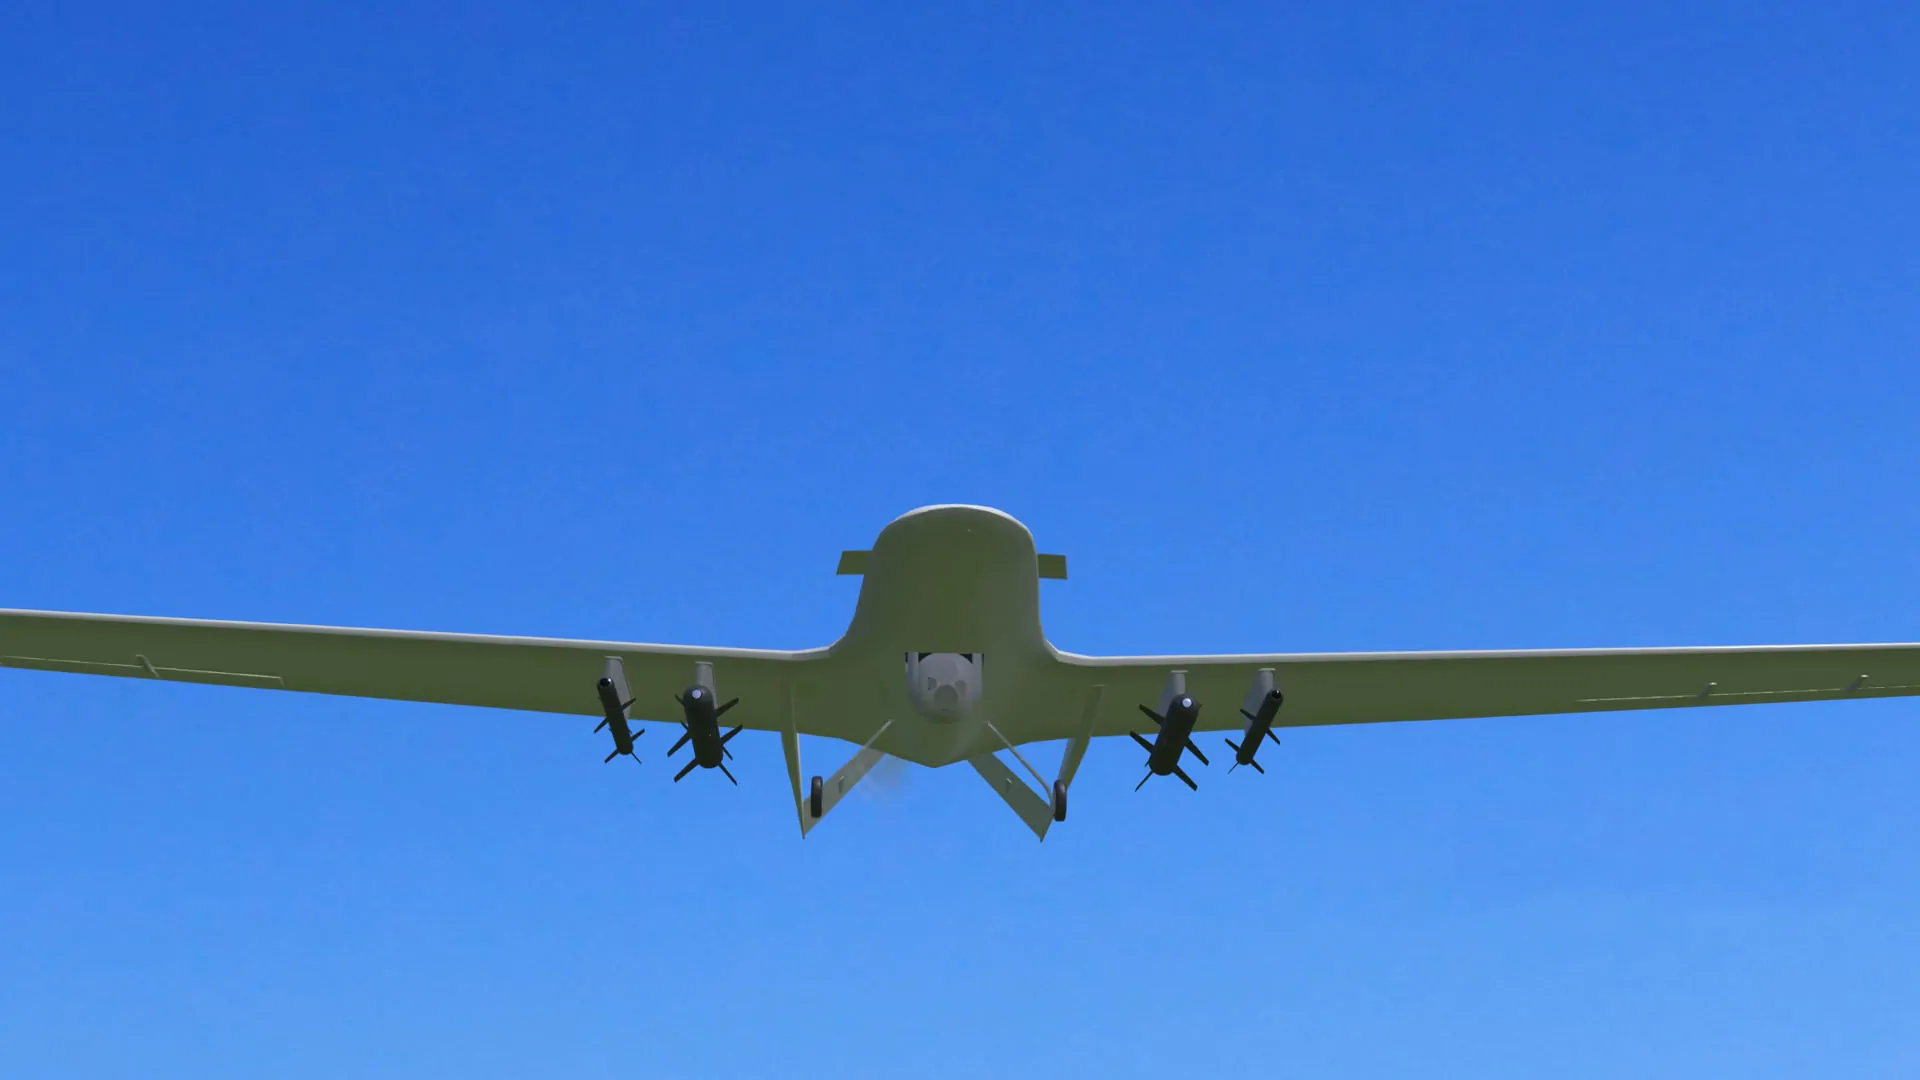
1361,688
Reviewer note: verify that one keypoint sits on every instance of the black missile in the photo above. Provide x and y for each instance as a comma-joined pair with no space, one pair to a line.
1175,738
703,731
1259,724
616,720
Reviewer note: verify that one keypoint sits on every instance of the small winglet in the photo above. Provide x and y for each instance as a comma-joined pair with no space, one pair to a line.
1053,567
855,563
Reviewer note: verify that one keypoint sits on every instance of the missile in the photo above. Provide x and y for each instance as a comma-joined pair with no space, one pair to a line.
1176,736
703,731
616,720
1259,724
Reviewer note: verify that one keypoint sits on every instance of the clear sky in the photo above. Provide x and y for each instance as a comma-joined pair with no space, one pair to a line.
1376,327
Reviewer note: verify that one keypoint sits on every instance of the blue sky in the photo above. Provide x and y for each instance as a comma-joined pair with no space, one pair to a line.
1371,327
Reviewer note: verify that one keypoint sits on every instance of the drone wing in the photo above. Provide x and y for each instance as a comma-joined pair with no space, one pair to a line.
1362,688
538,674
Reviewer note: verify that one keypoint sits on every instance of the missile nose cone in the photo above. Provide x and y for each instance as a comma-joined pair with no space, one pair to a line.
1186,702
606,683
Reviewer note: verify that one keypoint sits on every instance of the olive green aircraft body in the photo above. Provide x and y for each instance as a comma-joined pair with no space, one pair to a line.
944,662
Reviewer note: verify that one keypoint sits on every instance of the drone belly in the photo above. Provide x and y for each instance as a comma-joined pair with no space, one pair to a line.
944,686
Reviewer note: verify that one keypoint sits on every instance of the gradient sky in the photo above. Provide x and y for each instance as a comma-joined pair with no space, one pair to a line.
1371,327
